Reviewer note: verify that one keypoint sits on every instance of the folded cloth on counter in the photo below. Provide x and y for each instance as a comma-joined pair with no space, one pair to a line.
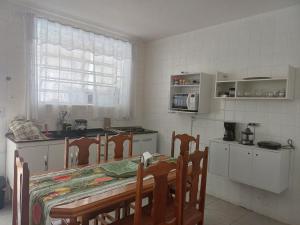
25,130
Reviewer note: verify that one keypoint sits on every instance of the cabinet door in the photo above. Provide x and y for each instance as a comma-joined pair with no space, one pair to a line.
56,156
136,145
240,164
148,143
218,158
36,157
266,170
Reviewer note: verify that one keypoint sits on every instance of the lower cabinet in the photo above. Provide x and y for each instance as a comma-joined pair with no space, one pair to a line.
271,170
148,142
240,165
36,157
261,168
56,157
49,155
218,158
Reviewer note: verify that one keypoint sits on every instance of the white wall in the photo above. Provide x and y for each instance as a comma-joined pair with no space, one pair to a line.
12,64
12,93
255,46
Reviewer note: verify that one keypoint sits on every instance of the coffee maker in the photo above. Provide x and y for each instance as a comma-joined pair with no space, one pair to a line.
229,134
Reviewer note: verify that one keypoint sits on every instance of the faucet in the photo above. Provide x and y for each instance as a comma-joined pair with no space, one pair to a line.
61,121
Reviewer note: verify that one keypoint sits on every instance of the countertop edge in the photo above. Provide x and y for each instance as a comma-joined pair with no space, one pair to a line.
10,137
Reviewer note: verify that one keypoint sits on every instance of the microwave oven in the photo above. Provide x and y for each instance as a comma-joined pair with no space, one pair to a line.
185,102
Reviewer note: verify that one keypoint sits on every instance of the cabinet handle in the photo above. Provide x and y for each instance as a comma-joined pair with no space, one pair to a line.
249,153
226,149
45,163
256,154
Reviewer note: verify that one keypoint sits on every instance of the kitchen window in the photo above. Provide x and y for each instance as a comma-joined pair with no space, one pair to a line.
74,67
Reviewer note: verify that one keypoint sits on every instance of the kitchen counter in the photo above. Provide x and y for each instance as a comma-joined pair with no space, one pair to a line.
220,140
262,168
56,135
48,154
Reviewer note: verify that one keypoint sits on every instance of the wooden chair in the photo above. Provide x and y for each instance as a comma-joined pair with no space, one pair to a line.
155,213
185,141
20,192
119,141
193,211
83,145
21,195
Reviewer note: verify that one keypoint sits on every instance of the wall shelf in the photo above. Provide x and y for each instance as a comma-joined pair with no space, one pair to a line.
193,83
185,85
273,88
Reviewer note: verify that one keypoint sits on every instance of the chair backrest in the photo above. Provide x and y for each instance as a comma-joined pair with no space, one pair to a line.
199,160
185,141
20,192
83,144
160,172
118,141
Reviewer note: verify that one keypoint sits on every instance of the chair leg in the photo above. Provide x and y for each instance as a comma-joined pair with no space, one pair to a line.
85,220
95,221
150,199
102,220
126,209
118,213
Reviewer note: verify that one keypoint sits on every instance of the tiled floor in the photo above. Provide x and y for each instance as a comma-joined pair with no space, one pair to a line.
217,212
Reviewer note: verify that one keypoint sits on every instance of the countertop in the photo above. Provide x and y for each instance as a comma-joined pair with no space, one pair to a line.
56,135
220,140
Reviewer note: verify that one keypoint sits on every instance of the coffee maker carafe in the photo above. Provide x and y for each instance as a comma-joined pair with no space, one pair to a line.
229,134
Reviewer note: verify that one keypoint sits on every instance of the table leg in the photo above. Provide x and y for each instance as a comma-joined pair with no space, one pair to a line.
85,220
73,221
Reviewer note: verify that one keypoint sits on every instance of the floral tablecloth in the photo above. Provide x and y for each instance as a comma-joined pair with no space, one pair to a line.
52,189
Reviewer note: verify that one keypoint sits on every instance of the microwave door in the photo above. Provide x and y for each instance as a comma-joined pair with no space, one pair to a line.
188,102
192,104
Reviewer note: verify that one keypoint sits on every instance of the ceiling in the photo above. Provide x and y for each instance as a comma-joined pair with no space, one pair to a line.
154,19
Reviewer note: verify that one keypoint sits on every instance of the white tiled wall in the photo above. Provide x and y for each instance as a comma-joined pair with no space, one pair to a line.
255,46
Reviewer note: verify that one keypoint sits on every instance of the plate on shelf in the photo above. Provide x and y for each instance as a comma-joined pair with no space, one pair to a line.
257,78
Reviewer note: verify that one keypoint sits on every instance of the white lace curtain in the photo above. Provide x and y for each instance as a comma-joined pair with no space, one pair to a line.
74,69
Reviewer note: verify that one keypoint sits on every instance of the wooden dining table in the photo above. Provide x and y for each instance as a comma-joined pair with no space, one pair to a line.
90,205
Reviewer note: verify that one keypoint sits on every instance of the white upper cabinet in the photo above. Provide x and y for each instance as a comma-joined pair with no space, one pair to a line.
256,87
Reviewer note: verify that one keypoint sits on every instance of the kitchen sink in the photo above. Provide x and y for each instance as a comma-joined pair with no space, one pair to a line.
134,130
96,131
